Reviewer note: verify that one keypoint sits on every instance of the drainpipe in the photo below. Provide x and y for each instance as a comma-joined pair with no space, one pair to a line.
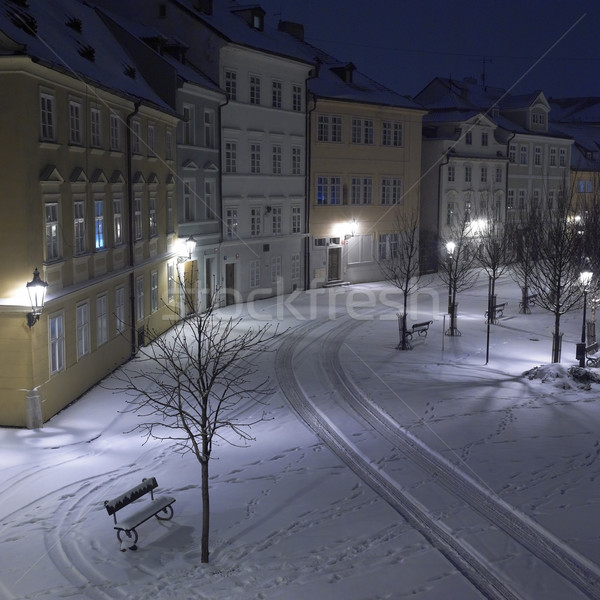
307,137
218,284
130,229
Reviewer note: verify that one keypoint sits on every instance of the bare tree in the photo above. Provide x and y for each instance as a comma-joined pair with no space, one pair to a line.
554,242
189,386
400,265
457,268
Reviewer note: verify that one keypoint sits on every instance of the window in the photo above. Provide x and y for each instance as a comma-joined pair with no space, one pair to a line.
231,223
95,128
137,215
320,242
152,223
79,227
276,220
552,157
484,138
254,89
47,117
118,220
322,128
75,136
230,157
360,249
562,157
391,190
538,118
170,221
510,200
154,291
484,175
521,203
115,132
231,85
209,199
451,173
188,125
275,268
83,330
469,138
537,156
120,309
255,221
512,153
151,140
99,223
329,190
276,94
277,160
468,174
296,160
297,98
388,245
295,267
136,137
523,155
139,298
189,194
255,158
101,320
468,208
296,219
52,249
450,213
168,144
209,129
392,133
56,334
254,273
362,131
362,190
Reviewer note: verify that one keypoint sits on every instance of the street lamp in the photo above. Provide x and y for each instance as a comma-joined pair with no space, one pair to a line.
36,288
585,279
190,244
450,246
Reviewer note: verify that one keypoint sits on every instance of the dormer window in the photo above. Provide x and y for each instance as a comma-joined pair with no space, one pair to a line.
253,15
258,21
539,120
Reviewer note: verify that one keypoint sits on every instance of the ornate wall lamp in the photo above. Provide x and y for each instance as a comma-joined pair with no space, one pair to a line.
36,288
190,244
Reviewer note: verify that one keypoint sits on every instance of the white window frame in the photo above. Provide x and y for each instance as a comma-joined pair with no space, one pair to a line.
75,128
56,343
83,329
101,320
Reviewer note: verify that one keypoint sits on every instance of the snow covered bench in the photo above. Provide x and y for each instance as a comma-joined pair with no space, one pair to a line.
590,359
420,328
128,525
498,312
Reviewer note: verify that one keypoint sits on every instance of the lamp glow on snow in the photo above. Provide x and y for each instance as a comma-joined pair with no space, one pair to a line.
36,288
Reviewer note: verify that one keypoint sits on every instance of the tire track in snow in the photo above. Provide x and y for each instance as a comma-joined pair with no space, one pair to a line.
564,561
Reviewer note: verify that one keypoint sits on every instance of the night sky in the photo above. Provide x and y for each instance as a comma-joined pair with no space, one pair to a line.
528,45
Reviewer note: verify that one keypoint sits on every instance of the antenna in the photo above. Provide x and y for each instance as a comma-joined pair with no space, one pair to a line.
484,61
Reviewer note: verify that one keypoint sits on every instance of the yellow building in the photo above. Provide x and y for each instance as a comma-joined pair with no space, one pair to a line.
364,165
88,199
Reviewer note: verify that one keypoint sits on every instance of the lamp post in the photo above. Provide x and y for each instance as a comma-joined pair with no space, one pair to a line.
585,278
450,246
36,288
453,330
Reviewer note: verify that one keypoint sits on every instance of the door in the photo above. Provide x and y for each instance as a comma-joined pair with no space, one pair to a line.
333,263
229,283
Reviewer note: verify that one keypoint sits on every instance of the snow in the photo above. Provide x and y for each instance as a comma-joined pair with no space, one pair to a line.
470,447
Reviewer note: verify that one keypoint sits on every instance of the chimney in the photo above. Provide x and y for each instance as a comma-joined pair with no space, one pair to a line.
294,29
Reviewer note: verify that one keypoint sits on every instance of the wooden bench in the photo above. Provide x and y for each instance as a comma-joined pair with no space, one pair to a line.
498,312
528,301
147,510
418,328
590,360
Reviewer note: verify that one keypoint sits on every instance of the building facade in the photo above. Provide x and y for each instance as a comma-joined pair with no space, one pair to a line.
88,200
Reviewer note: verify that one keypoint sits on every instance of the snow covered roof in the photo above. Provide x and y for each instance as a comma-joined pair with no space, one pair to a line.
69,36
575,110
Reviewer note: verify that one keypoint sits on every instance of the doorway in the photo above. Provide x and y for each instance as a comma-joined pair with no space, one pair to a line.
229,284
334,256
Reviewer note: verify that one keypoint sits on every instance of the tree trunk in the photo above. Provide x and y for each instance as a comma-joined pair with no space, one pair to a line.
205,512
557,340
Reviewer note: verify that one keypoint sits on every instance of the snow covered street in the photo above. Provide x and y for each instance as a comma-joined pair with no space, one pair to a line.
378,473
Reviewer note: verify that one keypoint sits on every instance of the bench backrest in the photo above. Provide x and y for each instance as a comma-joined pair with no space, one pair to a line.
592,348
147,485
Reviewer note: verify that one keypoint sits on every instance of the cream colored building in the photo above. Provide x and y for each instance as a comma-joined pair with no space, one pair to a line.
100,228
364,164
